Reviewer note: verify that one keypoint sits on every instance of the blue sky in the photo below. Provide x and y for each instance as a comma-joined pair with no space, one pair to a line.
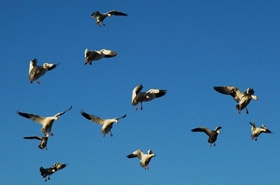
186,47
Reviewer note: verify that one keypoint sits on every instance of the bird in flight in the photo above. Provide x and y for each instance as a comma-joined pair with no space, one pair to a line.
101,16
107,124
46,122
94,55
212,134
256,131
243,99
35,71
144,158
139,97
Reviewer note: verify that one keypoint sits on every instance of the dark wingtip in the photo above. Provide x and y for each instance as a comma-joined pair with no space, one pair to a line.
130,156
85,115
19,113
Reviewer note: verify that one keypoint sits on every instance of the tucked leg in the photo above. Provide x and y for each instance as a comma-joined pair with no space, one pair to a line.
247,112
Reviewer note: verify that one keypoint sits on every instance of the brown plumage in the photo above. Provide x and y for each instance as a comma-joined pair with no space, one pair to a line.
212,134
243,99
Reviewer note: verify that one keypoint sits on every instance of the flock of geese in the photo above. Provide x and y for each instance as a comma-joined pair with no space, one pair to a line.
138,97
36,71
242,99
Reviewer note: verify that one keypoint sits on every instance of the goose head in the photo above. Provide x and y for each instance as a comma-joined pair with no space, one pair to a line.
250,91
254,97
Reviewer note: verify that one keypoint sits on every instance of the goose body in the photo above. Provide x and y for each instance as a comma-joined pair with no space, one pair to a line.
47,172
94,55
43,143
144,158
101,16
46,122
35,71
107,124
212,134
243,99
139,97
256,131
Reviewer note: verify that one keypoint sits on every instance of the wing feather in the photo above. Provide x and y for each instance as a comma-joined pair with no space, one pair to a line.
61,113
93,118
96,14
202,129
253,124
136,91
33,117
33,137
230,90
51,66
115,12
157,92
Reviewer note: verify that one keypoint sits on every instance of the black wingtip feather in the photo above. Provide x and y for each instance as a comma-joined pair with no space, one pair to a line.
85,115
130,156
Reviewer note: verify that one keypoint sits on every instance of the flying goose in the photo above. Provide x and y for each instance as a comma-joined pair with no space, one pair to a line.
94,55
139,97
47,172
107,124
256,131
101,16
243,99
46,122
35,71
144,158
43,143
213,134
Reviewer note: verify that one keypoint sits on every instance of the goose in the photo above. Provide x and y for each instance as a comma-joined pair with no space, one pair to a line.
139,97
243,99
43,143
107,124
35,71
47,172
94,55
46,122
213,134
101,16
256,131
144,158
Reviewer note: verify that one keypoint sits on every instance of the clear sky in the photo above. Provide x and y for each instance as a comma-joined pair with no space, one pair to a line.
186,47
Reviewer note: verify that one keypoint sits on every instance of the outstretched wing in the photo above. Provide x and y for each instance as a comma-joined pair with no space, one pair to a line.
156,92
59,166
253,124
202,129
136,91
265,129
96,14
136,153
50,66
115,12
33,137
218,128
121,117
108,53
93,118
61,113
230,90
33,117
32,64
